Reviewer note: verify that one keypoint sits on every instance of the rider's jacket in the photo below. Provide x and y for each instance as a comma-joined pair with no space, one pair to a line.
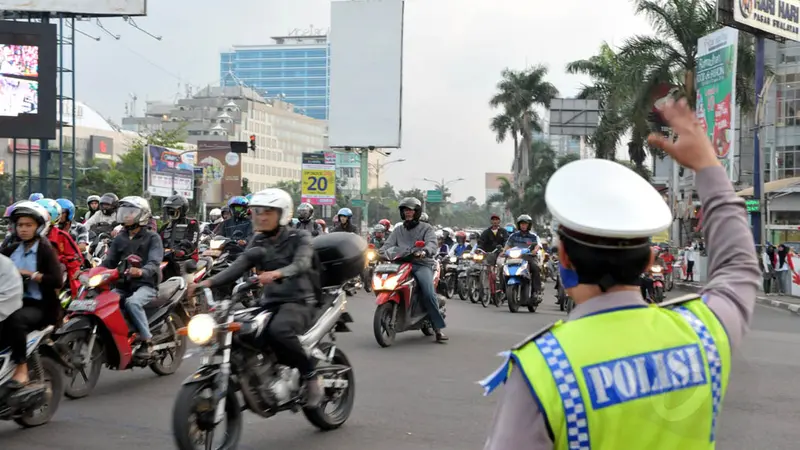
460,249
101,223
490,239
230,226
145,244
182,237
68,254
289,251
311,226
405,237
88,214
520,239
658,386
346,228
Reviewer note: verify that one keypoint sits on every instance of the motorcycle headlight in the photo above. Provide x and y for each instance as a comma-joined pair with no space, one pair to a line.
201,329
655,269
453,259
478,257
97,280
469,256
216,244
516,253
371,256
389,284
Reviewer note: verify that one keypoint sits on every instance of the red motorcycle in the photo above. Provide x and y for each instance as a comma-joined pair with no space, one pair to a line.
398,306
99,332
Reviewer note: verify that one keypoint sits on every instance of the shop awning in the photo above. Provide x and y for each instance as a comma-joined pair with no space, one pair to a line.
784,185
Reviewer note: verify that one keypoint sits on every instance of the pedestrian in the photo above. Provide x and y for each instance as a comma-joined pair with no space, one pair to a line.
769,261
782,271
618,373
688,256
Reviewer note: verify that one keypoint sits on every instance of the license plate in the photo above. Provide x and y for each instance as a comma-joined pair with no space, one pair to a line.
387,268
212,253
513,262
82,305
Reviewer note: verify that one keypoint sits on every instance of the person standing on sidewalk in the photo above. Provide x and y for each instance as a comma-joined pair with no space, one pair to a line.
769,261
688,260
782,271
618,373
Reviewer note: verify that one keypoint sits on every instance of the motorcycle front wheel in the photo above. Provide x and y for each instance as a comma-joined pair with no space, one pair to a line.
513,294
449,286
474,289
461,287
383,326
193,419
81,381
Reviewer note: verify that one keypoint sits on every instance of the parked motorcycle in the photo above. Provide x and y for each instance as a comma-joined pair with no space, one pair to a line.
519,285
36,403
98,330
399,308
235,362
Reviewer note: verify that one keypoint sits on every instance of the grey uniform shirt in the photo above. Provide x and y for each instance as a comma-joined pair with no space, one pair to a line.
733,275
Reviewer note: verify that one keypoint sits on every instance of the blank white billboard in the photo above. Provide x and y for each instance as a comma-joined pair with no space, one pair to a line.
89,7
366,75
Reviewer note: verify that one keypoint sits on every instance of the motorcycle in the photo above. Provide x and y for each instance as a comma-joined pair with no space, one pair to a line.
399,308
372,260
234,362
462,274
98,330
36,403
516,270
483,280
657,277
223,251
450,275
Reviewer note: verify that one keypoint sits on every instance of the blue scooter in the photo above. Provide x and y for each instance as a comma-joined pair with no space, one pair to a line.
517,274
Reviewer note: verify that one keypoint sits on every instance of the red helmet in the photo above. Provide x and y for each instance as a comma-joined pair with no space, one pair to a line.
322,223
461,234
386,224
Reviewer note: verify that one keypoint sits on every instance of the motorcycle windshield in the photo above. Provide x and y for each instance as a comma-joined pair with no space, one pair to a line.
393,253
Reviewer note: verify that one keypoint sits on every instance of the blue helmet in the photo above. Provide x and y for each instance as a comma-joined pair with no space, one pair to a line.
36,196
52,208
345,212
237,201
67,207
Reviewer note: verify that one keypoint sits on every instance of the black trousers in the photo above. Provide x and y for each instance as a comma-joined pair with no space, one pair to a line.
16,327
288,321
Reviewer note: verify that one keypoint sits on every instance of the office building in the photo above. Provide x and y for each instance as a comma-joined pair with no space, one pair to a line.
294,68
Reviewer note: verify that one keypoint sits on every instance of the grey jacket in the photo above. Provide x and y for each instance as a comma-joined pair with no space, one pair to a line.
404,239
11,294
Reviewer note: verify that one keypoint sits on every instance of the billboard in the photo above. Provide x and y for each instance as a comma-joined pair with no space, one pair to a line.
366,74
777,18
169,172
27,80
101,147
90,7
319,178
715,80
221,171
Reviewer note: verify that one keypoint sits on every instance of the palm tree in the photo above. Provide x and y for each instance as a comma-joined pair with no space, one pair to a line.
530,198
518,92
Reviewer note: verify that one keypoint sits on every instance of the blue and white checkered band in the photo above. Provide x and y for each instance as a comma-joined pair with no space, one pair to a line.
571,399
714,362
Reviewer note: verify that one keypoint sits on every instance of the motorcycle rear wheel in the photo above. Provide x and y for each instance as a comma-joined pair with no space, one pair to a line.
44,370
330,421
173,323
184,411
382,318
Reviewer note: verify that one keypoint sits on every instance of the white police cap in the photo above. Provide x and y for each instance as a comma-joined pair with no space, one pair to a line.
602,198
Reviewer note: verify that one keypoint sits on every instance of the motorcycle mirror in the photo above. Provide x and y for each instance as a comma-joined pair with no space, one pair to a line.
419,244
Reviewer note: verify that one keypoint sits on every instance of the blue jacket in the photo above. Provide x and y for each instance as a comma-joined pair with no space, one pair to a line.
520,239
459,249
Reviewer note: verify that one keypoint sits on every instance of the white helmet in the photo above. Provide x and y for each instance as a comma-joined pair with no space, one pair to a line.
215,214
36,211
274,198
448,230
136,206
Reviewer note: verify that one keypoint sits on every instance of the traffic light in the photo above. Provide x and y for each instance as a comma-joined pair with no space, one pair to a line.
253,142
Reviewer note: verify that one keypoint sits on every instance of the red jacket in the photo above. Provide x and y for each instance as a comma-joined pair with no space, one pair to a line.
68,254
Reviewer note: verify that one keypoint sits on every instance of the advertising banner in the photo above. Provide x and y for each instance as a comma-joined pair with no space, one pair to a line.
102,147
716,91
169,171
780,18
221,171
319,178
348,160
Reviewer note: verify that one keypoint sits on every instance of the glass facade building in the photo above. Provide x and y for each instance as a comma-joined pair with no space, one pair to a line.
297,71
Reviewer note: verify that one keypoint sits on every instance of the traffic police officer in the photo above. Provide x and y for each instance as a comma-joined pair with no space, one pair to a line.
618,373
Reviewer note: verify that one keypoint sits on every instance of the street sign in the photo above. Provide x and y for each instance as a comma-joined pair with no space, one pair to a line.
318,181
752,205
434,196
358,203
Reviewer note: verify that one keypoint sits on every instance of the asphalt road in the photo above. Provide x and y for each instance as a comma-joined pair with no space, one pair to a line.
421,395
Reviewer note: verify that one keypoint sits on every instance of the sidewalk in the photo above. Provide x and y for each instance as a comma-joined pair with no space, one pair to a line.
787,302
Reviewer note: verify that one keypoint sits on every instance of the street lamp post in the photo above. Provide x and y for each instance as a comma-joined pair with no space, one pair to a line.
441,186
378,167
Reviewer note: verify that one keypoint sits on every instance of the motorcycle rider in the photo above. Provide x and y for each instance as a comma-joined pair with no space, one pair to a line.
378,237
215,216
525,238
10,235
387,227
461,245
405,237
180,234
93,203
473,241
287,285
69,255
140,287
76,230
423,218
345,216
305,217
447,235
323,225
226,213
237,222
104,220
494,236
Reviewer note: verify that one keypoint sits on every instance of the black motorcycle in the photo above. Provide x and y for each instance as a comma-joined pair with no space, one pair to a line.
465,263
449,275
234,362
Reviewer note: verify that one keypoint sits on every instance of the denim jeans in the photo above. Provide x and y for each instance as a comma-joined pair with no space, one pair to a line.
134,305
427,295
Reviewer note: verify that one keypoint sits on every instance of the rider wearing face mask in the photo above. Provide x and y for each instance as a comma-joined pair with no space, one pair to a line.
93,203
104,220
305,218
345,225
285,275
238,220
141,285
405,237
180,234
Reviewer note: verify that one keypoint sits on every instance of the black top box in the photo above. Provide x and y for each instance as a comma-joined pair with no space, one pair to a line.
342,256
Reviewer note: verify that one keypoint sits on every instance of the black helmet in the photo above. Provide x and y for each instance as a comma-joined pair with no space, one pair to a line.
410,203
525,218
109,203
175,207
305,212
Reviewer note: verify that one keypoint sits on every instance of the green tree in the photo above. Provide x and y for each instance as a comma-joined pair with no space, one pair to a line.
563,160
246,186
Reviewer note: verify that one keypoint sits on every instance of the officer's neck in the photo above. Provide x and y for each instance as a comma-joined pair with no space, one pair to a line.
582,293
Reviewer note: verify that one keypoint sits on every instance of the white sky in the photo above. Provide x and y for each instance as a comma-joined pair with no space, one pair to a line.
454,52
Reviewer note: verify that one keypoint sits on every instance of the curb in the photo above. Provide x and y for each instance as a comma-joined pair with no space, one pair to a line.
761,300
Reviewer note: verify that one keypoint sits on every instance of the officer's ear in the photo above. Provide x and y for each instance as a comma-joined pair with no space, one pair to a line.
563,259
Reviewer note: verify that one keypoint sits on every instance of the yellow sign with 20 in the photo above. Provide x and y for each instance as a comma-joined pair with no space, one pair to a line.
319,183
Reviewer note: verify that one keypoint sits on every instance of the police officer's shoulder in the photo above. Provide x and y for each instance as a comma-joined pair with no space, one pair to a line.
533,336
679,300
